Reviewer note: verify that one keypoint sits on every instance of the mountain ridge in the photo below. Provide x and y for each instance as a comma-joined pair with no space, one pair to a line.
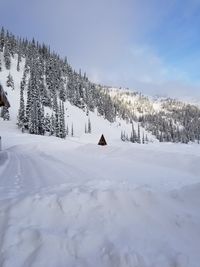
47,82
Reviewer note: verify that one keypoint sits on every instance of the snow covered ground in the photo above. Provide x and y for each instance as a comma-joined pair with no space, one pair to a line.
73,203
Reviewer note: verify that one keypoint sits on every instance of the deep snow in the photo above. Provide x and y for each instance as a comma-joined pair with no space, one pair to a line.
73,203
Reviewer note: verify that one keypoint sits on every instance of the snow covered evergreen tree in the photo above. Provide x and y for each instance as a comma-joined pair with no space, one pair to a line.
143,139
5,113
123,136
133,137
47,124
89,126
72,130
10,81
67,130
7,57
62,120
2,39
52,129
138,135
21,112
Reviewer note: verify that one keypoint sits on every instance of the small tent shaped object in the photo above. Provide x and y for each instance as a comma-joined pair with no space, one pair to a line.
102,141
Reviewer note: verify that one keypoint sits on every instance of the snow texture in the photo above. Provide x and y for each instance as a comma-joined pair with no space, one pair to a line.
69,203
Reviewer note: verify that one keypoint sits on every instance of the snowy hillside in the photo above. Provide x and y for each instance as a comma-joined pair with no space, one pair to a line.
169,120
45,85
73,115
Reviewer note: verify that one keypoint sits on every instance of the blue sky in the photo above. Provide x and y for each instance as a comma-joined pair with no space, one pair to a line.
149,45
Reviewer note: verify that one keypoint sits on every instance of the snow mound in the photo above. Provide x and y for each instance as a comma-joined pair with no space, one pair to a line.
97,224
70,203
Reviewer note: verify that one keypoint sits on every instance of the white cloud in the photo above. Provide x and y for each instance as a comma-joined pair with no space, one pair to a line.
108,38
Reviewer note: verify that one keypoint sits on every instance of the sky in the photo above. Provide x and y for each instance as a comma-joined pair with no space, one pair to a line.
152,46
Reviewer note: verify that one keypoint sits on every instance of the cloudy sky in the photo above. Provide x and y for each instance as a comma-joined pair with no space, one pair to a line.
149,45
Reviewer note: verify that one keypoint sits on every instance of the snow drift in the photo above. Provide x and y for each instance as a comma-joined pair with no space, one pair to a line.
70,203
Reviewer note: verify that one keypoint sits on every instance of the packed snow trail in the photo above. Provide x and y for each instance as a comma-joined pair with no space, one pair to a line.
68,203
31,167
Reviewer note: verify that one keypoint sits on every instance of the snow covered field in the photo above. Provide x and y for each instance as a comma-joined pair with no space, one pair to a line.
73,203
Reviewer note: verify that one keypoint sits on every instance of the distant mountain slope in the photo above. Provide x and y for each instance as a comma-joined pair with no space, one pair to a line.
42,86
89,125
169,120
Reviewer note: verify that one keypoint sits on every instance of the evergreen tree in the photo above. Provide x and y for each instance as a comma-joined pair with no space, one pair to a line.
7,57
62,121
10,81
133,137
2,39
123,136
18,62
29,103
72,130
47,123
57,119
143,139
67,130
138,136
21,112
41,117
198,139
23,82
62,91
52,129
57,123
35,109
5,113
89,126
33,119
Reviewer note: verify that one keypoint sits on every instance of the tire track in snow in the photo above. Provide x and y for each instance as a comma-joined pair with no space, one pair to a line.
30,171
10,178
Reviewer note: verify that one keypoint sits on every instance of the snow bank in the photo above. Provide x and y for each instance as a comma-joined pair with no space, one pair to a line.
100,224
70,203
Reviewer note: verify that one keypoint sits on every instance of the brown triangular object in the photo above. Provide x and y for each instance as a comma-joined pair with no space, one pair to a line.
102,141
